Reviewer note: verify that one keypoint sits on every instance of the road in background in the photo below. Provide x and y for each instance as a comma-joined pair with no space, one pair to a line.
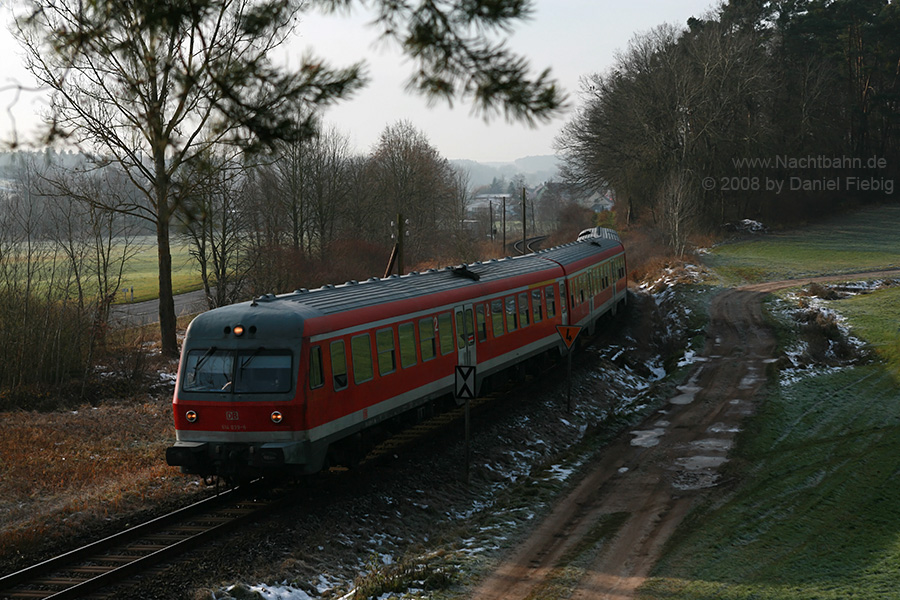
145,313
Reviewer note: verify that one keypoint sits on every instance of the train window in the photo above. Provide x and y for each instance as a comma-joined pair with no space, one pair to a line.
263,371
511,324
536,305
551,302
445,329
338,365
407,335
497,317
562,295
523,309
316,378
480,323
387,357
208,370
470,326
426,339
361,351
244,372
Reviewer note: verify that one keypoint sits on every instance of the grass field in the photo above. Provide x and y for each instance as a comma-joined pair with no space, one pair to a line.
813,508
816,513
865,240
876,318
142,271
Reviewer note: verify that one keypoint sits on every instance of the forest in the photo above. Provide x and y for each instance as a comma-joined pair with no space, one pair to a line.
778,111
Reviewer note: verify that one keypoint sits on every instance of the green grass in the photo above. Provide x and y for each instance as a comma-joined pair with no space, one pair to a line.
817,512
862,241
876,318
142,271
815,507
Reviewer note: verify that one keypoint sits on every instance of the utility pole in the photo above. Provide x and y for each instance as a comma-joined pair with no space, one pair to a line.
504,224
491,223
397,252
524,223
400,235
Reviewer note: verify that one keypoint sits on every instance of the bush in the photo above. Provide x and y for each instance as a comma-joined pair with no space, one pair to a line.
42,341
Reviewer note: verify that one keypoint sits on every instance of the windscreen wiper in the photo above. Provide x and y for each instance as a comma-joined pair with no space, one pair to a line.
204,358
247,360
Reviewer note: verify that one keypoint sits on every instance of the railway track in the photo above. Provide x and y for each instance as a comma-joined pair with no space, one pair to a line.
90,570
532,244
87,570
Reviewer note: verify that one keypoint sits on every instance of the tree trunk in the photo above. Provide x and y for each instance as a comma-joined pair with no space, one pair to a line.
167,319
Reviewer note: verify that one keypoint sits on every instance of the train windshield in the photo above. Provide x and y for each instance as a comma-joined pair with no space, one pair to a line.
258,371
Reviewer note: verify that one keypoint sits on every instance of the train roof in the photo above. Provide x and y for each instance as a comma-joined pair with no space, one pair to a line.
353,295
334,299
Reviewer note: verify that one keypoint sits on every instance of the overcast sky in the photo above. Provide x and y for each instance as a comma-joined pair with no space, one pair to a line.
573,38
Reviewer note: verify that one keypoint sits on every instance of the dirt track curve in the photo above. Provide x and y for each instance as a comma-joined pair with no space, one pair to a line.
650,478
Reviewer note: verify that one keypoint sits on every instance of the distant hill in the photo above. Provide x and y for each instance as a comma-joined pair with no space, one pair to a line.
535,170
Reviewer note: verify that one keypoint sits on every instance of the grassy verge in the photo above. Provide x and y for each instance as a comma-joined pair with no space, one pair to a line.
876,318
862,241
72,471
142,272
67,475
814,513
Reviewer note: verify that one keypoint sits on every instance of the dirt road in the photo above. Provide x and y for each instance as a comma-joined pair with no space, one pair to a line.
648,480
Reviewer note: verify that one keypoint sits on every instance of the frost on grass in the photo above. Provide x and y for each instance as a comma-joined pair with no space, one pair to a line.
825,342
519,462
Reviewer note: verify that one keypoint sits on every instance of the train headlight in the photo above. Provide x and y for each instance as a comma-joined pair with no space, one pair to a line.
191,416
238,330
277,417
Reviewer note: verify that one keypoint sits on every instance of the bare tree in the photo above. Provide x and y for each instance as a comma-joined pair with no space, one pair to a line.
215,222
42,340
675,108
153,85
326,187
409,177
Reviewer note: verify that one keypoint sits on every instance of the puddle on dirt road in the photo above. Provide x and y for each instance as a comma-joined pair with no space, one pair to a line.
699,463
697,472
695,480
646,438
713,445
688,390
722,428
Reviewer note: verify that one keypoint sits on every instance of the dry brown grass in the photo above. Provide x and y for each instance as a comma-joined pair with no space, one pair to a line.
74,471
648,255
64,474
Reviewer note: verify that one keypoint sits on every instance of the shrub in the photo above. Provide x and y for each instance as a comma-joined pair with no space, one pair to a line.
43,341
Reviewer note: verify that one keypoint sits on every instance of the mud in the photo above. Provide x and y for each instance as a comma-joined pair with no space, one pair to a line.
658,471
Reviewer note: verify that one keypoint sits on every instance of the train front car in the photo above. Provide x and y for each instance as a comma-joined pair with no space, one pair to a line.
238,406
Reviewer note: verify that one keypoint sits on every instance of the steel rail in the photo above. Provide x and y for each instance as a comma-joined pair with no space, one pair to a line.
81,571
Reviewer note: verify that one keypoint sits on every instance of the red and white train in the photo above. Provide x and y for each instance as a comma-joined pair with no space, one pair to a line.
276,383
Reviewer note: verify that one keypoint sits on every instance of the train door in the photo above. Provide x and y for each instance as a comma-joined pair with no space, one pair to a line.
465,334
